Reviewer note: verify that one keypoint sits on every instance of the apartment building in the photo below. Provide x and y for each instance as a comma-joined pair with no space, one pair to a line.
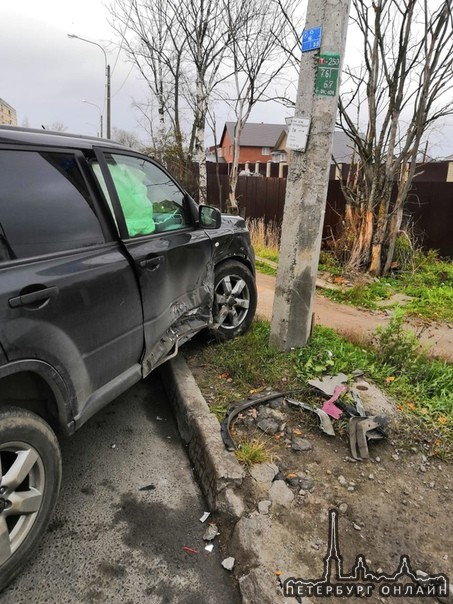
7,114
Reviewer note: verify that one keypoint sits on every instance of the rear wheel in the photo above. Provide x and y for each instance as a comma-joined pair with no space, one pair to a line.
30,476
234,299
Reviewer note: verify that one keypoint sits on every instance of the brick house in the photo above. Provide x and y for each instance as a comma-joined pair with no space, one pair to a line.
257,142
267,142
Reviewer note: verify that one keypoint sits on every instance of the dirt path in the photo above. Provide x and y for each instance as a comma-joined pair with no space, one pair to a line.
347,319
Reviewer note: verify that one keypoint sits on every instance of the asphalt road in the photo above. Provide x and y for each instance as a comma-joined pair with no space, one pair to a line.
128,505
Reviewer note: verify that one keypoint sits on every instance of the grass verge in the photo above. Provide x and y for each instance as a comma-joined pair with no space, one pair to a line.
429,282
425,278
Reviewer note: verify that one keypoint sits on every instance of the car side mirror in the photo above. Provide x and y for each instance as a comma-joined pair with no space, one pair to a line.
209,217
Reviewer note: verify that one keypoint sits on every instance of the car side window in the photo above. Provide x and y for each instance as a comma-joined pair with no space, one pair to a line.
44,205
150,200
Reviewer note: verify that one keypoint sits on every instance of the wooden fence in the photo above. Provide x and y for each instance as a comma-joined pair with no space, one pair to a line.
429,207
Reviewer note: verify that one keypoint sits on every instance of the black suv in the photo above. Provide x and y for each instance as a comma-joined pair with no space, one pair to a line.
106,267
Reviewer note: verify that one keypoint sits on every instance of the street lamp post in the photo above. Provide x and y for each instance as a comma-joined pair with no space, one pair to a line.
100,115
107,79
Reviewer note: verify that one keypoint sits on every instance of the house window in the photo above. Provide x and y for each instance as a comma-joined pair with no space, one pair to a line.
279,156
265,150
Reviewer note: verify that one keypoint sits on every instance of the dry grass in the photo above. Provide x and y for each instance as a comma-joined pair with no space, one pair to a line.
265,238
251,452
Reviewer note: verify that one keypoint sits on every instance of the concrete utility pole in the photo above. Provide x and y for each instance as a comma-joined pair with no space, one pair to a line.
308,176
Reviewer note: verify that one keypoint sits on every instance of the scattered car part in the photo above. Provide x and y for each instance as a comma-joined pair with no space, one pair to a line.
324,421
329,406
328,383
348,409
235,410
363,428
358,403
190,550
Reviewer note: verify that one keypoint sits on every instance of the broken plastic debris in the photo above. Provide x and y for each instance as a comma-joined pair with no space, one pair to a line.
190,550
235,410
210,533
357,373
329,406
329,383
358,403
205,516
363,428
228,563
324,421
209,547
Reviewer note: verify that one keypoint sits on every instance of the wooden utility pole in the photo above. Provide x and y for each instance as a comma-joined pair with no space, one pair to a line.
323,46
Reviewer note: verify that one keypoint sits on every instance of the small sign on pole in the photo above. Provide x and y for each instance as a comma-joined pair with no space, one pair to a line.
298,133
311,39
327,74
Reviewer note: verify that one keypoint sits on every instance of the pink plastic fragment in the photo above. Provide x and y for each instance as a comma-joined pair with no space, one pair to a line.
329,406
190,550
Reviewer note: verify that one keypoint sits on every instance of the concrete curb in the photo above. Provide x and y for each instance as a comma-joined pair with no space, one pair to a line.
218,471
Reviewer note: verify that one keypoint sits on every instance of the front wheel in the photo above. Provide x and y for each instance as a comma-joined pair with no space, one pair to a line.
234,299
30,476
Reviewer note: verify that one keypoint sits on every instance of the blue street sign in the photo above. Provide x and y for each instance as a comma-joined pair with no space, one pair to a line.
311,39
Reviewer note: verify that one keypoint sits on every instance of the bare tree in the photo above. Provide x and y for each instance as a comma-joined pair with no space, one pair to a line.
257,62
208,36
155,44
179,47
404,86
126,138
55,127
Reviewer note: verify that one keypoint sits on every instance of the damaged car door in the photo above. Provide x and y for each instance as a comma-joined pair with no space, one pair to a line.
171,254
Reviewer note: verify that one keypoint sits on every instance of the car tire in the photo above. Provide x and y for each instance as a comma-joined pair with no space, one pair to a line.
235,299
29,485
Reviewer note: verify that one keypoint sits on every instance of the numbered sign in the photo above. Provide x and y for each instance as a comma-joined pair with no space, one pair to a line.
327,74
311,39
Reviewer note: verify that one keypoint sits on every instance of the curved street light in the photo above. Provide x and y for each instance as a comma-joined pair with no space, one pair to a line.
100,114
107,77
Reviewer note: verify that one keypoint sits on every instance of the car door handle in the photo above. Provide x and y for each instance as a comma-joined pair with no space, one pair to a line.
33,297
151,263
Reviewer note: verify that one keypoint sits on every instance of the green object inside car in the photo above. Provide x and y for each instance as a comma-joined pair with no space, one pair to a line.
133,194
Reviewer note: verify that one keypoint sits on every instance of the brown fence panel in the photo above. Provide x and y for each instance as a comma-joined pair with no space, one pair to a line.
335,206
262,197
213,197
271,200
429,207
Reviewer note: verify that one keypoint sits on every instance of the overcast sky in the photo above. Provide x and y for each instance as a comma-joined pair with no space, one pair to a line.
45,75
